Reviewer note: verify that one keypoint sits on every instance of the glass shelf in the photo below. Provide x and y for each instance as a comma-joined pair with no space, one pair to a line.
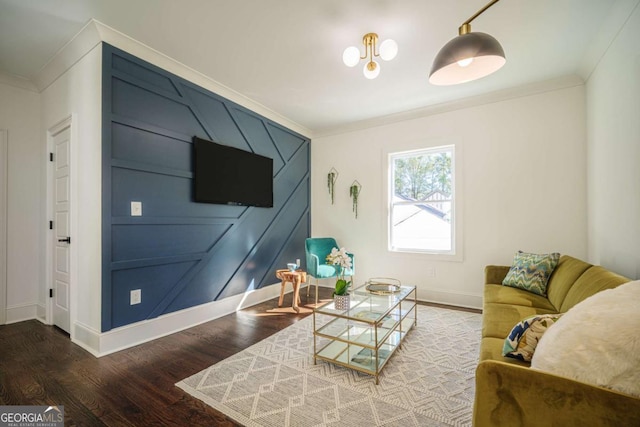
364,336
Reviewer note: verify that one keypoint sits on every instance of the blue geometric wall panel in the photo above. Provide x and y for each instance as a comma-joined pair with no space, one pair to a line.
181,253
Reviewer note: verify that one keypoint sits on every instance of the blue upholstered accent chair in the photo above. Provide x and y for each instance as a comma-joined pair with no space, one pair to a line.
317,249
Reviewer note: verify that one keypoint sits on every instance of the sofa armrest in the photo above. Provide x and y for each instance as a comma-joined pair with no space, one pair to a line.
495,274
520,396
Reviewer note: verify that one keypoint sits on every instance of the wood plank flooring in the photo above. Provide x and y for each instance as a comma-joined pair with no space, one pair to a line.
135,387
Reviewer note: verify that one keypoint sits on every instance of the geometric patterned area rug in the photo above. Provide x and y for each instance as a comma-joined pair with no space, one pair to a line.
429,381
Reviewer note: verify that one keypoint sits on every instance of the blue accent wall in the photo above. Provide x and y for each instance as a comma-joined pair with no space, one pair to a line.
181,253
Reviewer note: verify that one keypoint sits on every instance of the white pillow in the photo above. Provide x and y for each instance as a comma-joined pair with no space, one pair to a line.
597,341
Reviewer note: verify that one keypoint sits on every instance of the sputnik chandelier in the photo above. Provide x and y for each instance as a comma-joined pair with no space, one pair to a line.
387,51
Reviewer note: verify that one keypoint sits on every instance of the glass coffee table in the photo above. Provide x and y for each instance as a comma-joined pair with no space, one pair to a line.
366,335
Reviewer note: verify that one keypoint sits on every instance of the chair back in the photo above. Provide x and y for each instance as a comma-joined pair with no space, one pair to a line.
320,247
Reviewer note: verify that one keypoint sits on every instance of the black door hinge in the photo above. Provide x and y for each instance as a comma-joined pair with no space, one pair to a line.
50,292
50,225
51,157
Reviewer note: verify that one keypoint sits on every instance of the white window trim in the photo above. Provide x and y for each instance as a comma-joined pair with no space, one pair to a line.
456,253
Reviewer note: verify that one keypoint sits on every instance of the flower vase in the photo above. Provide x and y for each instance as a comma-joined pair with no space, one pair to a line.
341,302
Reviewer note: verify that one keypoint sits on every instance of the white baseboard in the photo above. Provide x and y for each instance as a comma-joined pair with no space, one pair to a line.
457,299
101,344
41,313
22,312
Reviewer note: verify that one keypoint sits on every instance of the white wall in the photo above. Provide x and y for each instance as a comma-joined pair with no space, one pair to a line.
77,92
613,128
19,110
524,187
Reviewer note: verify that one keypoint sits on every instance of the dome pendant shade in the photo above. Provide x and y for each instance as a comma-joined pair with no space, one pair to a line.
465,58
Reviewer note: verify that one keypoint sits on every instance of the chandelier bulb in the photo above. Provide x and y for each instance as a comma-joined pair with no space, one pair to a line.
388,50
351,56
371,70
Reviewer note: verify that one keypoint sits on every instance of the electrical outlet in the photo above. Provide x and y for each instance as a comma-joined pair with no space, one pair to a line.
136,208
136,296
429,272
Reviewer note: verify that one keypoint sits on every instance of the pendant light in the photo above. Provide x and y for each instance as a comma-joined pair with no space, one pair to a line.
468,57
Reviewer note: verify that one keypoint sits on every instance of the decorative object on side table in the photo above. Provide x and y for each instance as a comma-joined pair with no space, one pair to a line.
332,177
341,259
354,193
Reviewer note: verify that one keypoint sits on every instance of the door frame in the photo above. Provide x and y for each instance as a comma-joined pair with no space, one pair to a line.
4,193
70,123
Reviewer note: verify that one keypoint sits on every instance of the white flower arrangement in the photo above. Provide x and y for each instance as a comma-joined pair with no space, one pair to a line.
341,258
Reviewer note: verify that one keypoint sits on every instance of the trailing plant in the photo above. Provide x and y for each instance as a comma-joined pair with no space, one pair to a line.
354,192
332,176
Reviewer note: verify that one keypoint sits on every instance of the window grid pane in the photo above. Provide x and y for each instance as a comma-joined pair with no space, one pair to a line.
421,205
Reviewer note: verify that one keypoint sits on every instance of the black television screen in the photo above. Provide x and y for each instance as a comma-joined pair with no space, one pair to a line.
230,176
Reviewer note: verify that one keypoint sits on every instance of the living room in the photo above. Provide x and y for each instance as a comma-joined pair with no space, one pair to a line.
542,168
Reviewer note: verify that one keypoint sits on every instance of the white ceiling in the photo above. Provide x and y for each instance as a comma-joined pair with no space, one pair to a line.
286,54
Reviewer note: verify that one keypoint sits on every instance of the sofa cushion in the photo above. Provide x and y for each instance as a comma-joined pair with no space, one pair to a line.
563,277
531,272
523,339
506,295
597,341
593,280
498,319
491,349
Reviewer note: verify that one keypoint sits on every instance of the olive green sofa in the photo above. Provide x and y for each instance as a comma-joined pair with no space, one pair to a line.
508,392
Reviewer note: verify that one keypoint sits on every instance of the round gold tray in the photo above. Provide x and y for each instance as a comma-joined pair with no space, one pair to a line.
383,286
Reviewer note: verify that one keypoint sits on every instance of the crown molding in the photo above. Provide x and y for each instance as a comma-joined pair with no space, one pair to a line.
473,101
95,32
72,52
606,35
19,82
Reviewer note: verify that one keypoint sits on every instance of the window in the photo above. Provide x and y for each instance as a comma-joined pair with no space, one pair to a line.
422,201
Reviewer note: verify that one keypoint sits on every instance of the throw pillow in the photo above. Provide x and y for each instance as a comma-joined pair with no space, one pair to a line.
597,341
523,338
531,272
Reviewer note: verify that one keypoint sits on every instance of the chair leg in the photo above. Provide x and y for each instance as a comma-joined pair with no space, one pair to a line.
316,290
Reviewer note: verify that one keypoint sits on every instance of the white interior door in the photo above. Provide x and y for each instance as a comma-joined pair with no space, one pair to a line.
61,225
4,152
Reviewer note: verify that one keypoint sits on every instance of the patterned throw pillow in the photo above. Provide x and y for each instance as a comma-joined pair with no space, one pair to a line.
523,338
531,272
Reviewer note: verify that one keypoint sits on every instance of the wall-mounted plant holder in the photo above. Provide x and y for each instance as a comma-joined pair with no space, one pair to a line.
332,177
354,193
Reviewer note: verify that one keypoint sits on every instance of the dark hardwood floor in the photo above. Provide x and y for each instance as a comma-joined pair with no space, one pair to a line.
135,387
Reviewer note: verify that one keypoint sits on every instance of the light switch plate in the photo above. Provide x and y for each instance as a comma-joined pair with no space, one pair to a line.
136,208
136,296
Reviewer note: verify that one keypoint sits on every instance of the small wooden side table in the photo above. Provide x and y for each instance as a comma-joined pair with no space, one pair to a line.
296,278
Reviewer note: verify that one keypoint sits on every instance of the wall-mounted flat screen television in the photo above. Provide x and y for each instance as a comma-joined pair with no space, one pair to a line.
230,176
